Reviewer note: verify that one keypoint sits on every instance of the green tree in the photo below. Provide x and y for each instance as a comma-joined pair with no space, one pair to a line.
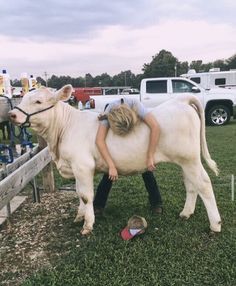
53,81
220,64
124,78
40,80
196,65
162,64
231,62
88,80
206,67
103,80
78,81
181,68
137,80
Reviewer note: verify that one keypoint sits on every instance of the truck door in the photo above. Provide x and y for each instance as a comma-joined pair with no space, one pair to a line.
154,92
180,86
185,86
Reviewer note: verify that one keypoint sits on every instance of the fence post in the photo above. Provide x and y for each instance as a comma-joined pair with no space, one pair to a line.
47,172
232,187
8,206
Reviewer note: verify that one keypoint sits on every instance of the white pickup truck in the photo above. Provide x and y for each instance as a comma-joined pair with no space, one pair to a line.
219,104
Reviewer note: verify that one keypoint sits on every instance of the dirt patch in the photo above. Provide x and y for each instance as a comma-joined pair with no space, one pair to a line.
34,235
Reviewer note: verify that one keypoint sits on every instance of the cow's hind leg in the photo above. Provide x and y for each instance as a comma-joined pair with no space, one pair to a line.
197,182
191,198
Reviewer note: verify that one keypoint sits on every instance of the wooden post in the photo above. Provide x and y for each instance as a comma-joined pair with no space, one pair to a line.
47,172
8,206
232,187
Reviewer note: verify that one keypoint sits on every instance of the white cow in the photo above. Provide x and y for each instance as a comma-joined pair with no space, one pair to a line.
71,133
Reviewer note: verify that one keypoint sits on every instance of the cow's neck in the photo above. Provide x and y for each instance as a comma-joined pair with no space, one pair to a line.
57,127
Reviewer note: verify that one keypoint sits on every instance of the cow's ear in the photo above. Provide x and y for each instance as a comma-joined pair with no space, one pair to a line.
64,93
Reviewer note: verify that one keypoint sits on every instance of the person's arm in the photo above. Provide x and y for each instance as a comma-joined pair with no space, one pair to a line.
102,147
154,126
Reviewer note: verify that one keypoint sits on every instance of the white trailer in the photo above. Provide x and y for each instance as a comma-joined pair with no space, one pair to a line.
213,78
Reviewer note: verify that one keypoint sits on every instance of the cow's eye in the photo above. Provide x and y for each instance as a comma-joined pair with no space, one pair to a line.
38,102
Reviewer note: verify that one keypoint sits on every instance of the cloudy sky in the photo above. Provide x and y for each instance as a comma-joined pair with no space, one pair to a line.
75,37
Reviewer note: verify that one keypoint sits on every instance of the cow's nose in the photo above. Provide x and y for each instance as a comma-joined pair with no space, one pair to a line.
12,115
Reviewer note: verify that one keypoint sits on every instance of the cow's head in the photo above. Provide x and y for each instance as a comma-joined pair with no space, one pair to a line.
36,105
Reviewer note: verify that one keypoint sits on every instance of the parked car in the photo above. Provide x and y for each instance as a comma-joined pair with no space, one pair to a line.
130,91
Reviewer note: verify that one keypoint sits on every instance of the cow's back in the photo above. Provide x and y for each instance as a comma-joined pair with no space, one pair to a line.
179,138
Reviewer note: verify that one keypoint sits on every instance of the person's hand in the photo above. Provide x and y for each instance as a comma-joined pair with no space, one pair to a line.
150,164
102,116
113,174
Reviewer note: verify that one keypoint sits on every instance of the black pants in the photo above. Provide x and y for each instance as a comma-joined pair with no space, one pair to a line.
105,185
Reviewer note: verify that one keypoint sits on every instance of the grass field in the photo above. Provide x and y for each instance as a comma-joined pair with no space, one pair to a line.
171,252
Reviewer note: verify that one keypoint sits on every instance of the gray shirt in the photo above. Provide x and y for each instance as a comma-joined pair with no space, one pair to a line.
142,111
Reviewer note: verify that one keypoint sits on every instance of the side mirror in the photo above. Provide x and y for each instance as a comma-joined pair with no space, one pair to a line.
195,89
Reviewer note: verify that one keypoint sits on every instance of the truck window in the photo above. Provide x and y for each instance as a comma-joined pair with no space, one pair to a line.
156,86
180,86
220,81
196,79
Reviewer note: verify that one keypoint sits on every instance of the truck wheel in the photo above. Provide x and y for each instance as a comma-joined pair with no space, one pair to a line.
218,115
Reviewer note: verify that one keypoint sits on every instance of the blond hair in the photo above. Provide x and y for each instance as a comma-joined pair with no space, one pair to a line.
122,119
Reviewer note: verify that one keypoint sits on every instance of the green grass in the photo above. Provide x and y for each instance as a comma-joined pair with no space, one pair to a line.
171,252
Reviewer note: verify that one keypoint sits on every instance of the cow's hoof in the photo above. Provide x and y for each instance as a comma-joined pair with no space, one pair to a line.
79,218
184,216
213,234
85,231
216,228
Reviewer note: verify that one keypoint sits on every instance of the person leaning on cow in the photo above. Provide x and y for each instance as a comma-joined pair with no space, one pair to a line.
121,116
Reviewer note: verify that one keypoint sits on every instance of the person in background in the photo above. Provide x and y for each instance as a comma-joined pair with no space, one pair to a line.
122,116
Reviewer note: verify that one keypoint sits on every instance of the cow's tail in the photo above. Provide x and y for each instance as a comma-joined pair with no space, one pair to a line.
193,100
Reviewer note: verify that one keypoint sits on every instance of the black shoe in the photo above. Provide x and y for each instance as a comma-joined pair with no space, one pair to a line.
157,210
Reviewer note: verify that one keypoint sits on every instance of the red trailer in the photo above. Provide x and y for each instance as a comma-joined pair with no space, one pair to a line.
83,93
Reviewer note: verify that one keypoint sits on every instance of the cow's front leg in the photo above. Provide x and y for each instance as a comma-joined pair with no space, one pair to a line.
81,208
84,188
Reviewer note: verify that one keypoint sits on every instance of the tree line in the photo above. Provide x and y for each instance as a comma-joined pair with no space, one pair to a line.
163,64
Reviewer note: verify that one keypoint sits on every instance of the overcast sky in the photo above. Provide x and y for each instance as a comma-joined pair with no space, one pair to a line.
75,37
